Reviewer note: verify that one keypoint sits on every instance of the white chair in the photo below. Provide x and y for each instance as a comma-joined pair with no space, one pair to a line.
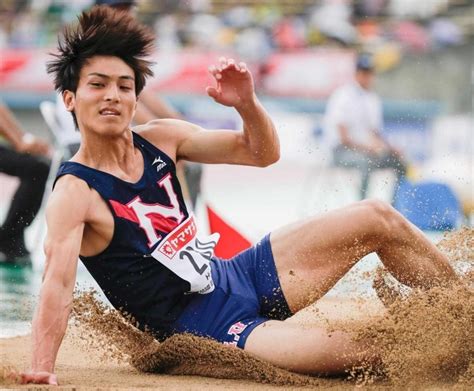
61,150
48,111
61,126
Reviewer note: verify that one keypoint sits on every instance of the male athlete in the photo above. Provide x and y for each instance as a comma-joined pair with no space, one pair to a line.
118,206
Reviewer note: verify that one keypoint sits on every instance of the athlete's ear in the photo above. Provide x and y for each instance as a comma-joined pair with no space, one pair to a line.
69,100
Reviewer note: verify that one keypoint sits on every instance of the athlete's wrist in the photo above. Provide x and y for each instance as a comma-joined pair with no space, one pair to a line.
247,105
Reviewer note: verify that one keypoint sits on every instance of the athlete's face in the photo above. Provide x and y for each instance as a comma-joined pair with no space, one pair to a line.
105,99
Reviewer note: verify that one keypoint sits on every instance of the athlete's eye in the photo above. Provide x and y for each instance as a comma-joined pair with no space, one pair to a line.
125,88
95,84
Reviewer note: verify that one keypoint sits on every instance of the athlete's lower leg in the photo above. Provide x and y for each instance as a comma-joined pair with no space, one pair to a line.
408,254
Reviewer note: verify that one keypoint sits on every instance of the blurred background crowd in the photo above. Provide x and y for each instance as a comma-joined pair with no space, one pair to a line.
427,42
434,34
254,28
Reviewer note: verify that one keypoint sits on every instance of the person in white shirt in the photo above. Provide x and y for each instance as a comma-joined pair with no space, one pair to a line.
353,122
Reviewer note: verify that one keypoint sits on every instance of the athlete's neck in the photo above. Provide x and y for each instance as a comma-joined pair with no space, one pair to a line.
113,154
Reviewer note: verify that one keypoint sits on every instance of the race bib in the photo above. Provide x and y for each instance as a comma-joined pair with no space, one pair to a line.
188,255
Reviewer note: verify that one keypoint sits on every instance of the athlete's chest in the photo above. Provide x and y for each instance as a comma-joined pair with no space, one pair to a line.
143,212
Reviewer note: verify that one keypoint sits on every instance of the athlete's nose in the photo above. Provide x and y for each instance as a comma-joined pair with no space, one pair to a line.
112,93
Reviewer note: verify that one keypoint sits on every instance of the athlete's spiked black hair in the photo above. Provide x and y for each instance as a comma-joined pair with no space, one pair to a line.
101,32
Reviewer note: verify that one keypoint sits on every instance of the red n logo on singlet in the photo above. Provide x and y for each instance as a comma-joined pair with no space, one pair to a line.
152,217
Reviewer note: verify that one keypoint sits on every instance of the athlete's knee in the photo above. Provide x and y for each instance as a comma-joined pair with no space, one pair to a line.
383,219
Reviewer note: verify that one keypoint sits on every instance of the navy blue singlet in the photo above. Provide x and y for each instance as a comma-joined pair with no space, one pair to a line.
132,280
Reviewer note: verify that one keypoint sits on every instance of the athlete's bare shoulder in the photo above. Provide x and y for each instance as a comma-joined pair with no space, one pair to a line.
70,200
168,128
71,184
166,134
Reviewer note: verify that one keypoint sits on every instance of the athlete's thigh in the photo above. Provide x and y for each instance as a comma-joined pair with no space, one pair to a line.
311,256
305,349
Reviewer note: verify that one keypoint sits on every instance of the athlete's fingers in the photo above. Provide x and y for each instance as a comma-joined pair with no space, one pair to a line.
231,64
212,69
223,61
226,64
215,72
243,67
212,92
222,64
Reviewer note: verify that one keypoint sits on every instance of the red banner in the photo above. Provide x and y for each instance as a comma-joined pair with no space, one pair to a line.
307,73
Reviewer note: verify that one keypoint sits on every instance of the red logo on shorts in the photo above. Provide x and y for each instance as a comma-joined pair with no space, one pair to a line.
235,330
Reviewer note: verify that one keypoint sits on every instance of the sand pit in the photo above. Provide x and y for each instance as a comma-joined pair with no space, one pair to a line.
86,365
425,339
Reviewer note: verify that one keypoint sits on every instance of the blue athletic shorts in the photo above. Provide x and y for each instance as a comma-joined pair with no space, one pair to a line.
247,293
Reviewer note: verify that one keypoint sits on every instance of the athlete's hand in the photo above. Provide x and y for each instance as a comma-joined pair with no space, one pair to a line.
234,83
41,377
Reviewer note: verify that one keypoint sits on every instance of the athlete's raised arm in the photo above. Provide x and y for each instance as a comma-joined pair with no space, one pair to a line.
65,216
256,145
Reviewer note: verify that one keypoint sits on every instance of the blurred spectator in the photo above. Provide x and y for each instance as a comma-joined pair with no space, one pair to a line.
120,5
412,36
417,9
369,8
196,6
254,45
445,33
238,17
332,18
289,33
353,123
166,29
210,25
202,30
26,158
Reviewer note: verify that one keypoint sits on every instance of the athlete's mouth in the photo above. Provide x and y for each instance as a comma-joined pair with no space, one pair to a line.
109,111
